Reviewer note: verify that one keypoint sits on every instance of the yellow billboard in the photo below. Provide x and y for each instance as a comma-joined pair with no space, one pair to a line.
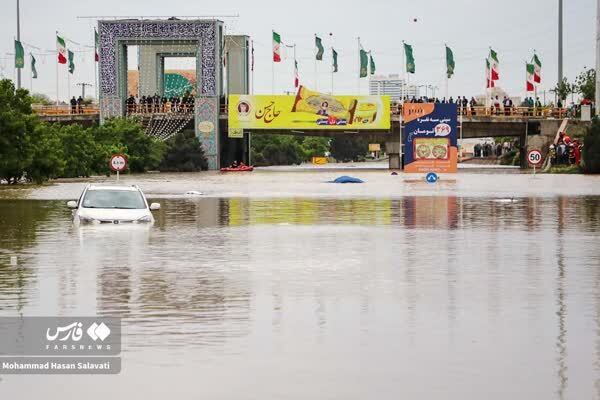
309,110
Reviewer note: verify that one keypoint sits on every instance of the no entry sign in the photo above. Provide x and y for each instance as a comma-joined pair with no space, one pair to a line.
534,157
118,162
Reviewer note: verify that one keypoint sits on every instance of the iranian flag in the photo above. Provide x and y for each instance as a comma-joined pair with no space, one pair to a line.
530,87
537,69
494,64
296,75
489,74
276,47
61,47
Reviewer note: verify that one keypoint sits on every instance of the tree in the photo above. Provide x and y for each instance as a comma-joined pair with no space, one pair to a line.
83,157
48,158
345,148
315,146
127,136
585,83
16,126
563,89
39,98
591,148
184,153
270,149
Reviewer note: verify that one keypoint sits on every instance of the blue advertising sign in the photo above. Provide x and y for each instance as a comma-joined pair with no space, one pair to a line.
430,137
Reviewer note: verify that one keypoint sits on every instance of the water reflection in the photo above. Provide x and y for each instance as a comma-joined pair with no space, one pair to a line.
367,292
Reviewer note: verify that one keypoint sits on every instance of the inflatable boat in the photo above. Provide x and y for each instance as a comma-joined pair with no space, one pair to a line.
244,168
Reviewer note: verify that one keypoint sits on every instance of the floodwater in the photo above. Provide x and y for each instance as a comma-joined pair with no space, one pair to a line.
276,285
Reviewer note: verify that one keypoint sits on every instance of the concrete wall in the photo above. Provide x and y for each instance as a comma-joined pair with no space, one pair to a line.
238,66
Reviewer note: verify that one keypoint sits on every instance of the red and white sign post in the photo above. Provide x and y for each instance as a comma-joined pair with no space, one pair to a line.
118,163
534,158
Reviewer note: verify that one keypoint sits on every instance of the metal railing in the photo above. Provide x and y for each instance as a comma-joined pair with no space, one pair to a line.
476,111
513,112
64,109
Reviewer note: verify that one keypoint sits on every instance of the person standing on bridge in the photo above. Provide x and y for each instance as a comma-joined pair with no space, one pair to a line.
80,105
73,105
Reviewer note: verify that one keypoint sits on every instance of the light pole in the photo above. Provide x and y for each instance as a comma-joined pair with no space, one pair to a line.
598,58
560,41
19,40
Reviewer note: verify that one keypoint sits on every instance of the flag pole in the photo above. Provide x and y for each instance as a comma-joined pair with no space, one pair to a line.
296,72
252,67
359,65
316,82
31,75
446,74
19,40
273,67
403,73
57,88
332,68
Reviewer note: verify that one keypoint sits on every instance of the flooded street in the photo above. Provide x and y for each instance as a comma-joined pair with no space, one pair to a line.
279,285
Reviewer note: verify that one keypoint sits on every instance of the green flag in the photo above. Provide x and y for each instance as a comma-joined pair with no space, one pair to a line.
33,69
320,49
364,63
410,58
449,62
71,62
19,55
371,64
335,62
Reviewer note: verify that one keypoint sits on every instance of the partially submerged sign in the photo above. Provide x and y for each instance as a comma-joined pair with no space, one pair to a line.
430,137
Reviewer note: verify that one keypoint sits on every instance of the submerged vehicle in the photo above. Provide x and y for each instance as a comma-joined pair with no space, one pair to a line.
112,204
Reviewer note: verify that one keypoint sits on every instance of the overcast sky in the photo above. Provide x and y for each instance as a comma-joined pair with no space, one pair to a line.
514,28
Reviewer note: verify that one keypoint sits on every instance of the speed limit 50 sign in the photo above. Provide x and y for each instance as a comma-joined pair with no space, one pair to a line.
118,162
534,157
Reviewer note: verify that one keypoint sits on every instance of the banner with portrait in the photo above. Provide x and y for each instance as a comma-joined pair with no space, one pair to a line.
309,110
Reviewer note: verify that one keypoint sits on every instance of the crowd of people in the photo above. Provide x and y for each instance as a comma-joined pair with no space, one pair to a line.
498,106
565,151
491,149
160,104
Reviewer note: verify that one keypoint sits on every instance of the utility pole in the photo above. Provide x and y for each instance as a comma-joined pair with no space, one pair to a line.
560,41
598,58
83,85
18,39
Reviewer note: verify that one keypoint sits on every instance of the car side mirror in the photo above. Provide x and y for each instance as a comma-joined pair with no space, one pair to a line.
154,207
72,204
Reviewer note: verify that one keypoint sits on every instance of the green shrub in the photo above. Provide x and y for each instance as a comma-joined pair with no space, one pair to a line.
184,153
591,148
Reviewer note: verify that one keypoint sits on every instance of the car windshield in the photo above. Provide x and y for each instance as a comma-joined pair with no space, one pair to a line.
122,199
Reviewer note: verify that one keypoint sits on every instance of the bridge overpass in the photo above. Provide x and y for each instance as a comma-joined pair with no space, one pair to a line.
534,128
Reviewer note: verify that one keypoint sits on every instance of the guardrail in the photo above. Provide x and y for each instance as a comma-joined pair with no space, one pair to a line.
65,109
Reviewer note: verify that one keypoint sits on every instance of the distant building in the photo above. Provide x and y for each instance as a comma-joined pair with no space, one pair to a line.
393,86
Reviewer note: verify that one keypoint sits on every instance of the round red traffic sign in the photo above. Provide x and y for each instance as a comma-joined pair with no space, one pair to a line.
118,162
534,157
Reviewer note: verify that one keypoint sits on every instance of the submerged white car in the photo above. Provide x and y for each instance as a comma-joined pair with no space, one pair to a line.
112,204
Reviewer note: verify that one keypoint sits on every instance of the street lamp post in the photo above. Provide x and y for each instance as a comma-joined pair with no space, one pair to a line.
19,40
598,58
560,41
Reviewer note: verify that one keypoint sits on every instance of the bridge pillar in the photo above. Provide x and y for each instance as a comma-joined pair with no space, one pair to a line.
393,151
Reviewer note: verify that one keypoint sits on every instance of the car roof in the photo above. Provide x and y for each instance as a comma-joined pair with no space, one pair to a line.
114,187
